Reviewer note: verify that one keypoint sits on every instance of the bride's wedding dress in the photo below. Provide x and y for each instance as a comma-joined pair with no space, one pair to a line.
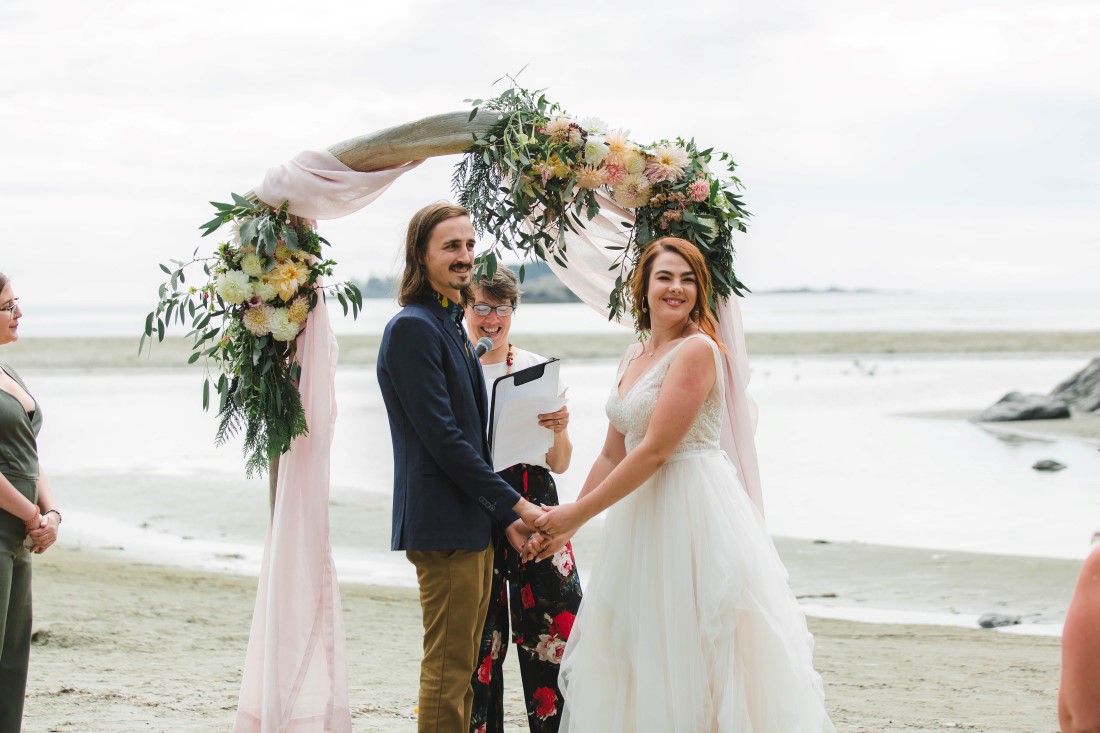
688,624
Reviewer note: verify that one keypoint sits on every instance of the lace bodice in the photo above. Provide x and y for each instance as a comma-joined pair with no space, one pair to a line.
630,414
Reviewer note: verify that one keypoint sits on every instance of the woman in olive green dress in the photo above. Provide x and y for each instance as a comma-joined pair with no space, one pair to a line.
28,519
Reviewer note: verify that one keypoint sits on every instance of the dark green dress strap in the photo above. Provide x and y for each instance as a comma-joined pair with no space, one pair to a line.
18,455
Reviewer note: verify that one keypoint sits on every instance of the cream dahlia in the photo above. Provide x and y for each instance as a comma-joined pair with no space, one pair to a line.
257,319
299,309
234,287
252,265
558,129
667,163
282,328
265,290
634,162
591,177
618,145
632,192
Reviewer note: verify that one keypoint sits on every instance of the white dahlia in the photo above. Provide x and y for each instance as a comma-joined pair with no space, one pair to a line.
282,328
595,151
594,125
234,287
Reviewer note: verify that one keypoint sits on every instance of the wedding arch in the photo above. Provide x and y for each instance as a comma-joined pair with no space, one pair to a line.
574,193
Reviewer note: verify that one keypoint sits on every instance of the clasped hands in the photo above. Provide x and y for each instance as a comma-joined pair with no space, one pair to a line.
542,531
42,531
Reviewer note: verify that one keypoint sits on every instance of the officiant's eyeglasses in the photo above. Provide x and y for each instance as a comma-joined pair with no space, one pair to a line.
482,309
10,307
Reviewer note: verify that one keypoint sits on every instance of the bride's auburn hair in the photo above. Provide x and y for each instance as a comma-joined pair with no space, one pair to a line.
703,314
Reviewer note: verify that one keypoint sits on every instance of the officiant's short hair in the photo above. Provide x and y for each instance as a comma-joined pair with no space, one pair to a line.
503,285
415,285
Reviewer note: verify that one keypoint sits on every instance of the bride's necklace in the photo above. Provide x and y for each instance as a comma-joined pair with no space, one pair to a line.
653,352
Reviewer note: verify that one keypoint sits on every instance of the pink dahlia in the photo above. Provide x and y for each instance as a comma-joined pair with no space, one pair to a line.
613,173
699,190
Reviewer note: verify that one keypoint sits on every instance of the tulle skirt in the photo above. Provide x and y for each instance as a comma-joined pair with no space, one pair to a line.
687,623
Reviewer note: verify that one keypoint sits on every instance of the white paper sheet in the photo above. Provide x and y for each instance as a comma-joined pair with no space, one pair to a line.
517,401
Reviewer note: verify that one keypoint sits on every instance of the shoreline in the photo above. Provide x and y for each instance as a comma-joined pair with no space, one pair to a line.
85,353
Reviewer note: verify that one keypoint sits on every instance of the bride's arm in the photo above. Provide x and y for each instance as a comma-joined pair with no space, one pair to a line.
690,378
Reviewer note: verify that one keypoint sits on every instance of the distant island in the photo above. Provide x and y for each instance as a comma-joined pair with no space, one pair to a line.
834,289
539,285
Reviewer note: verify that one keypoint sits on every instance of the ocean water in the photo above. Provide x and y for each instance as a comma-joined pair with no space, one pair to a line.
778,312
849,450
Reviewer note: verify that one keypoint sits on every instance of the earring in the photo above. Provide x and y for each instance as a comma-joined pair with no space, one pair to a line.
645,307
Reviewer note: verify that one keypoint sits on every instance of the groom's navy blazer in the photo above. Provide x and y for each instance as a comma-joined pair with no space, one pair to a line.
445,493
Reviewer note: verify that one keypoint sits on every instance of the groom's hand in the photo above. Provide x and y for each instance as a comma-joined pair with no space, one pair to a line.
529,512
528,544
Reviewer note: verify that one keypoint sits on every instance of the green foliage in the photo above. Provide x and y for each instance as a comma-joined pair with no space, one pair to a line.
537,174
270,271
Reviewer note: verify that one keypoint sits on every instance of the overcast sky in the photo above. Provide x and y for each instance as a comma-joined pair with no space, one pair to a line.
940,145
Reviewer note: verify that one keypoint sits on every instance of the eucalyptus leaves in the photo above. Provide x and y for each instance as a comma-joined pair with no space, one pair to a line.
260,286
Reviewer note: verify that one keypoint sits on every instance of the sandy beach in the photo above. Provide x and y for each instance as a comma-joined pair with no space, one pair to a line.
131,636
131,645
127,646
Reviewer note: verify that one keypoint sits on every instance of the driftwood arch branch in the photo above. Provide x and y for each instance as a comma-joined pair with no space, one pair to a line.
450,133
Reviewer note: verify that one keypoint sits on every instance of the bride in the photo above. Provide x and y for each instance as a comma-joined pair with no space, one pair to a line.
687,622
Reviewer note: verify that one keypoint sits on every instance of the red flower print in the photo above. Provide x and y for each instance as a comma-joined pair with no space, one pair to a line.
546,702
527,596
485,670
562,624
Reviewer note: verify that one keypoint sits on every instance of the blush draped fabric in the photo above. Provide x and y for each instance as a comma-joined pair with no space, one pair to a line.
295,677
589,274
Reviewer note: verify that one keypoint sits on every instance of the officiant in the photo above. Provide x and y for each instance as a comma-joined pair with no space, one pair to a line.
537,599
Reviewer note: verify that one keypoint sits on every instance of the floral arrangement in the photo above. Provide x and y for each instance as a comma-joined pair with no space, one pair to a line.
536,173
261,285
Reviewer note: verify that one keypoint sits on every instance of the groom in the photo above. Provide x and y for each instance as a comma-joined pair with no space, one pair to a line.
445,493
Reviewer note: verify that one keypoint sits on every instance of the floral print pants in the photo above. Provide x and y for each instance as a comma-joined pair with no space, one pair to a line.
540,599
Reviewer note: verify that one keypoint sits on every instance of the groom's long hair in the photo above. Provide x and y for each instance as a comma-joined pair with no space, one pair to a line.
639,284
415,285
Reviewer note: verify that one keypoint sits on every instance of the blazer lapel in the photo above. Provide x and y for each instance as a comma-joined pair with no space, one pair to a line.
459,346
